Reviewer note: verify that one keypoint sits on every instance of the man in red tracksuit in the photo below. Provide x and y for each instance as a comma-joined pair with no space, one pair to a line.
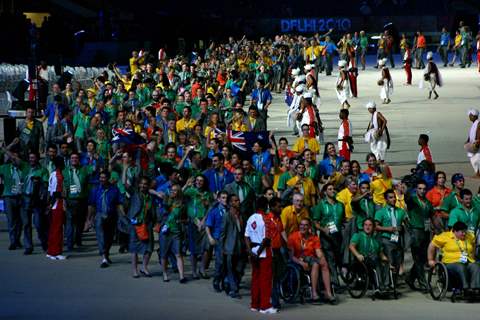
259,231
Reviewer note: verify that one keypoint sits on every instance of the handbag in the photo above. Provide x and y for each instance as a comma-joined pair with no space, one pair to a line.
142,232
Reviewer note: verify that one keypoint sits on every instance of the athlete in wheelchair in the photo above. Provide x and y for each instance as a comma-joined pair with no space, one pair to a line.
458,271
371,268
307,264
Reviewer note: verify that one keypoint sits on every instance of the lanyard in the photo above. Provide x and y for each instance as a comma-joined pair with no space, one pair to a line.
460,247
393,218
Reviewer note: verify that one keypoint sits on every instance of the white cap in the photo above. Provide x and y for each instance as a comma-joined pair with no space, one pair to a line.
473,112
295,72
429,55
342,63
308,67
300,88
381,62
370,105
308,95
384,60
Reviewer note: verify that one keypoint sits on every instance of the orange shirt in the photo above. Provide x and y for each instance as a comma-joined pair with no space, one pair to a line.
303,247
436,196
421,42
277,225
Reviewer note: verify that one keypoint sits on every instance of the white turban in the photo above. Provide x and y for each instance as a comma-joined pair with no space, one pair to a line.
473,112
307,95
370,105
342,63
381,62
429,55
295,72
308,67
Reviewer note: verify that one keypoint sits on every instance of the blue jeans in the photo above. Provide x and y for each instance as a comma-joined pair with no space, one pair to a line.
105,230
219,273
12,210
40,221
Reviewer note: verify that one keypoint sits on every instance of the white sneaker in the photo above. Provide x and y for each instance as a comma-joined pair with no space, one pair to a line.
51,257
254,310
60,257
270,310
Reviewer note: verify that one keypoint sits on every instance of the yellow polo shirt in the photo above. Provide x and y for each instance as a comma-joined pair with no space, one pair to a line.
451,248
378,187
183,125
308,191
303,143
345,197
291,220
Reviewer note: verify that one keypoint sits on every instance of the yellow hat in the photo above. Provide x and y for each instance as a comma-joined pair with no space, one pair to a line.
92,90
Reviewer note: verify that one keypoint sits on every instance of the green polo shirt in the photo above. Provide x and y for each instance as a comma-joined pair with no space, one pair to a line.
419,211
282,181
469,217
7,174
29,173
174,220
385,217
254,180
361,210
71,191
196,208
327,213
365,244
450,202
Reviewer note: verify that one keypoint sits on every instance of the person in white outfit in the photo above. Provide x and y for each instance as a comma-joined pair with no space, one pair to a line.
294,108
385,82
473,142
343,85
432,75
377,133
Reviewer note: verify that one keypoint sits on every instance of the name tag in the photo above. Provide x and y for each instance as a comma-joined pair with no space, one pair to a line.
427,225
464,258
394,237
26,131
15,189
332,227
74,189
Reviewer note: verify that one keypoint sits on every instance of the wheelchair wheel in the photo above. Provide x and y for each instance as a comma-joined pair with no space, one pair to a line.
290,284
357,280
438,281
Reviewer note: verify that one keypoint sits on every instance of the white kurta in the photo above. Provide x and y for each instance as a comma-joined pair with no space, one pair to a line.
378,145
343,93
474,157
387,89
293,109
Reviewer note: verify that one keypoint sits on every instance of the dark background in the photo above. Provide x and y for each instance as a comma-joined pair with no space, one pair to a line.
113,28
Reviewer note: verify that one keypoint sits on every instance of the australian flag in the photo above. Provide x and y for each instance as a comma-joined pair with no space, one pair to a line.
133,143
244,141
127,136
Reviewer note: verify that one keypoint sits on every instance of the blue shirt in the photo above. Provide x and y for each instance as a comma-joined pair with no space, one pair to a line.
216,182
214,220
261,96
330,47
50,113
326,168
444,39
105,200
262,162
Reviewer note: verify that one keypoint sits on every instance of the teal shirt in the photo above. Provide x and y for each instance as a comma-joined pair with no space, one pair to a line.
385,217
450,202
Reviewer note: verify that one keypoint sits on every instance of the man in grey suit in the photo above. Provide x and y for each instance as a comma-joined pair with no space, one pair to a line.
243,191
231,239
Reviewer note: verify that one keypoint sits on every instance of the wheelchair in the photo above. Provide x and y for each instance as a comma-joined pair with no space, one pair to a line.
361,277
297,285
440,281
